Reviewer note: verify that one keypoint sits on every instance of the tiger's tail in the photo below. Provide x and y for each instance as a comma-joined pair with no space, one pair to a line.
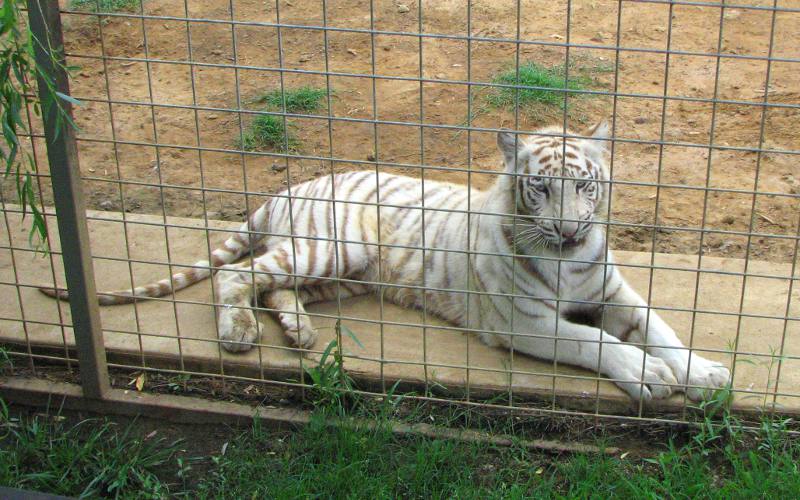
236,246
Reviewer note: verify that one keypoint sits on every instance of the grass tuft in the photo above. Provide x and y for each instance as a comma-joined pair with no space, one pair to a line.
538,84
302,100
331,385
268,132
91,459
105,5
330,382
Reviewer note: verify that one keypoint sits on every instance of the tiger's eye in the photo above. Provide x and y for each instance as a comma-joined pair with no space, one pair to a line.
539,185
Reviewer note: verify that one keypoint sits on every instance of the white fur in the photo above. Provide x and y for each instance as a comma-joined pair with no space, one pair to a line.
535,260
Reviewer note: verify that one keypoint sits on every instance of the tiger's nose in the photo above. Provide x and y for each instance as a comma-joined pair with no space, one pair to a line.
568,229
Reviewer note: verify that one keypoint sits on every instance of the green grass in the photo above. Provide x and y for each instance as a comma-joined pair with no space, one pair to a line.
300,100
324,462
97,458
321,462
536,86
268,132
105,5
331,385
92,458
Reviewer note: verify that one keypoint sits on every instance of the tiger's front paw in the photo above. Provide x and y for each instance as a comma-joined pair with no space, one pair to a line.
706,376
646,380
238,328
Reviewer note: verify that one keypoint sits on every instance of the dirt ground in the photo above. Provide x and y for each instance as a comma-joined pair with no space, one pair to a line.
174,86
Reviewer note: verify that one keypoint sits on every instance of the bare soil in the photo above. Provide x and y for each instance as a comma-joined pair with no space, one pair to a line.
175,87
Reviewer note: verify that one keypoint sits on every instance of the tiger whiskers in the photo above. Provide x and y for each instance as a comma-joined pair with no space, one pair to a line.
529,238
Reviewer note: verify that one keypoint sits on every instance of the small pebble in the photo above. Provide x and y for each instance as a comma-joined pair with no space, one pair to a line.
402,8
106,205
278,167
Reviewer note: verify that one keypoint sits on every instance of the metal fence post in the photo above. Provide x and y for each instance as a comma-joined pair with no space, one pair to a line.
45,25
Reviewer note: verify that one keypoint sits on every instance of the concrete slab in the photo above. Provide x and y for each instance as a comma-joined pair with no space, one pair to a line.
181,334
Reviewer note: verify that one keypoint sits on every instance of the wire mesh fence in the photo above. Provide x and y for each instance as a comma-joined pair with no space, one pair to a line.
368,131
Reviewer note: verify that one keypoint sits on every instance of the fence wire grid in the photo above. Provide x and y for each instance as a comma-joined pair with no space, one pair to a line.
195,113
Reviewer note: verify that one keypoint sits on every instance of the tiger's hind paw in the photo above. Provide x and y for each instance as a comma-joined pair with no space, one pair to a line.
299,330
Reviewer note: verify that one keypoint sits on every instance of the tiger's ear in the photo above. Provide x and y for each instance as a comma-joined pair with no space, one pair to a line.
597,145
600,133
513,149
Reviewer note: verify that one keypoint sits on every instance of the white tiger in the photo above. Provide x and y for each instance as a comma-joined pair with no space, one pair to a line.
521,230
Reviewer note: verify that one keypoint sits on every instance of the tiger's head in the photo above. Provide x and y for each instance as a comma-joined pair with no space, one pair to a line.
554,181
